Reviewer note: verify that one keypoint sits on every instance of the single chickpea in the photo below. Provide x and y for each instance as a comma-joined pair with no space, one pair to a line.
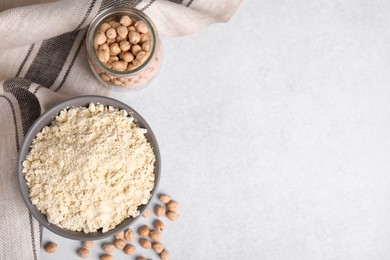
141,27
164,255
142,56
100,38
159,225
114,49
119,65
147,211
124,45
158,209
129,249
172,205
143,231
108,248
134,37
122,31
111,33
87,244
114,24
145,243
157,247
172,215
104,27
135,49
145,37
83,253
125,20
50,247
129,235
119,244
146,46
127,56
106,257
165,198
131,28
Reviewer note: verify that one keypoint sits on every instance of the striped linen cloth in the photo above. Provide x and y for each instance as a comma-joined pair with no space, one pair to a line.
43,60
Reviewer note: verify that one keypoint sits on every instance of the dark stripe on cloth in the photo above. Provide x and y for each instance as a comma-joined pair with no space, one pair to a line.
109,3
15,123
190,3
30,109
148,5
72,62
86,14
33,236
25,60
50,59
177,1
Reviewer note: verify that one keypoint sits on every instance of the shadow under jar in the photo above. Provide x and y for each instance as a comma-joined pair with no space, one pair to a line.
124,52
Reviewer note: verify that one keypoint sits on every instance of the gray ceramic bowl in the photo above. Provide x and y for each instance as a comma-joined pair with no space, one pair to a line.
45,120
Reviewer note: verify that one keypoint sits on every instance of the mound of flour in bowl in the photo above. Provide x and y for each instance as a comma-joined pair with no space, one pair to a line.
90,169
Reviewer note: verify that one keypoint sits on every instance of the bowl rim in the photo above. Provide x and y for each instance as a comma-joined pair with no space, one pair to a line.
49,115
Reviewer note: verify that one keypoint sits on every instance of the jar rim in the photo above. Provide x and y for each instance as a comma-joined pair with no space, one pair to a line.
115,11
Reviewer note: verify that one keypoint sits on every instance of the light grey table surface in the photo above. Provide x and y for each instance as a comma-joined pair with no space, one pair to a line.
274,133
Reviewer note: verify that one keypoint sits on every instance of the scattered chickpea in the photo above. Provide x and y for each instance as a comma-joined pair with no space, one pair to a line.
119,244
125,20
158,209
157,247
129,249
172,205
144,231
172,215
87,244
147,213
108,248
140,258
164,255
165,198
159,225
129,235
145,243
83,253
106,257
120,235
155,235
50,247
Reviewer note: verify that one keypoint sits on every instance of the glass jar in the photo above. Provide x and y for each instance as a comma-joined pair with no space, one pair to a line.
140,71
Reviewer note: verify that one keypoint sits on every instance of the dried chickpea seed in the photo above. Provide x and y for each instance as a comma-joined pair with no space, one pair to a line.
125,20
119,244
124,45
144,38
108,248
146,46
142,56
135,49
114,49
155,235
164,255
127,56
158,209
120,235
165,198
104,27
172,215
111,33
114,24
119,65
129,250
106,257
122,31
145,243
159,225
157,247
50,247
172,205
87,244
144,231
134,37
141,27
83,253
100,38
129,235
140,258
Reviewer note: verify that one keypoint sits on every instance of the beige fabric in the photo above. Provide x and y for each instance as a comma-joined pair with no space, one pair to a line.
42,61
